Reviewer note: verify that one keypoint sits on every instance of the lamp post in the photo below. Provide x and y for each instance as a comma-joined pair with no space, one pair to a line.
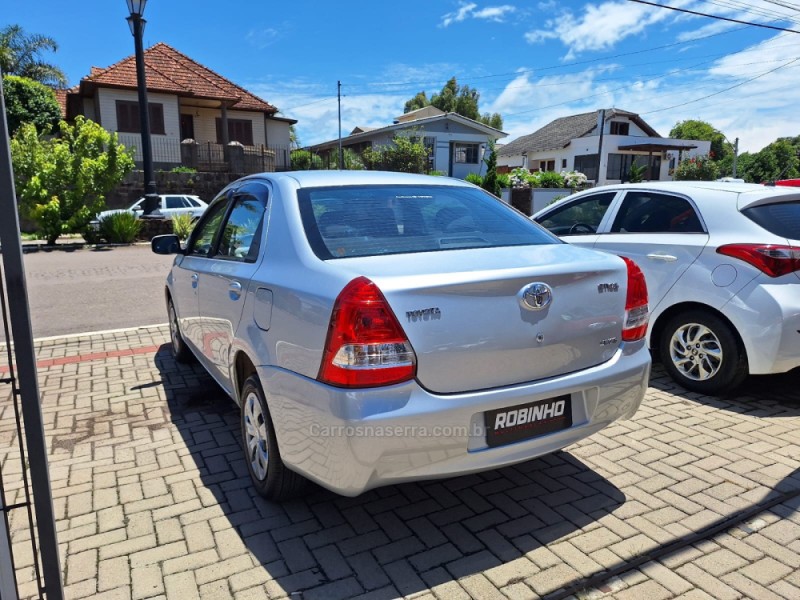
137,23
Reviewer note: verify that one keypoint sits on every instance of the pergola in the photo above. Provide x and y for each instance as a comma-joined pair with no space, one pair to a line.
650,147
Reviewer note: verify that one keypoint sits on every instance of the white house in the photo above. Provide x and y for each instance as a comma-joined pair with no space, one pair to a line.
187,101
455,143
611,139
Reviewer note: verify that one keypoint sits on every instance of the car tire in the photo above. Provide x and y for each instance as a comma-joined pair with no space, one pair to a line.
271,478
702,353
180,351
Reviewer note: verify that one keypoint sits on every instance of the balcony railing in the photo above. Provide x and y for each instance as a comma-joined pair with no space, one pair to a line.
209,156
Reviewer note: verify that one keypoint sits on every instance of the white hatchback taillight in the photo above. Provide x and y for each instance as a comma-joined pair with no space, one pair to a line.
771,259
637,312
366,345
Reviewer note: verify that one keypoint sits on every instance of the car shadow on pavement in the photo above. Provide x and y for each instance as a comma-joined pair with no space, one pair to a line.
758,395
395,540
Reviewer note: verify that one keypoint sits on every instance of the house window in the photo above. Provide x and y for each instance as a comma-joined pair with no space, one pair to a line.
128,117
430,146
620,128
587,164
563,163
466,153
548,165
619,165
239,130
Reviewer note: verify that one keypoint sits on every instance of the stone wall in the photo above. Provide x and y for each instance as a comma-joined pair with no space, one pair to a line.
205,185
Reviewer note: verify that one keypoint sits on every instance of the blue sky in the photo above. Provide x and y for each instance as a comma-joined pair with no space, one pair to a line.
531,61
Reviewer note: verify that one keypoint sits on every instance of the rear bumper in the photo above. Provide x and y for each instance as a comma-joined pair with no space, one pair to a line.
766,313
352,440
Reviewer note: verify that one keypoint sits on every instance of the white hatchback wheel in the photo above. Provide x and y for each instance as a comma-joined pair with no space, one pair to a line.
696,352
256,436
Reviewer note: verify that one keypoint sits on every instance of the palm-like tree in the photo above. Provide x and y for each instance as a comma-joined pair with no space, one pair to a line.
19,55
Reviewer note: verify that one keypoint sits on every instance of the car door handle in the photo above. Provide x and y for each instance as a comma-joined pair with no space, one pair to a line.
663,257
195,279
235,290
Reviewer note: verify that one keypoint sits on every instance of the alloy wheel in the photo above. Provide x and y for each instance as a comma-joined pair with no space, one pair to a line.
696,351
256,436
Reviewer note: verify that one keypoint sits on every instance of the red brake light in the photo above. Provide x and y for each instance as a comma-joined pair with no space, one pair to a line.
366,345
772,259
637,312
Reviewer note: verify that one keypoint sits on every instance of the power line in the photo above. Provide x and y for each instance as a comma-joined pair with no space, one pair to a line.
700,14
740,84
788,5
745,7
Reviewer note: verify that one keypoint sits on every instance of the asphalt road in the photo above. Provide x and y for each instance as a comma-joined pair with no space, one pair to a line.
95,290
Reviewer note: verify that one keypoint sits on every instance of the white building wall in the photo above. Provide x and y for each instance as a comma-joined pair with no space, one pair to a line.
277,133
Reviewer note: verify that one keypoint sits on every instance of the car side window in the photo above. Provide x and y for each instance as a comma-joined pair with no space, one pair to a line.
176,202
650,212
192,202
241,235
581,217
206,231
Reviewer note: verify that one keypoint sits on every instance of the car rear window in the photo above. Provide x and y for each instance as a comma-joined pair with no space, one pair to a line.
781,218
350,221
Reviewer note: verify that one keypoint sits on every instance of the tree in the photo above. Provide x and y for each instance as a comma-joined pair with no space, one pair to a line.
417,102
490,183
62,181
460,99
693,129
19,55
777,161
28,101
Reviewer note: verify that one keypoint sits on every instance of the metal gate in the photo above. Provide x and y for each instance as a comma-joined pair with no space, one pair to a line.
26,505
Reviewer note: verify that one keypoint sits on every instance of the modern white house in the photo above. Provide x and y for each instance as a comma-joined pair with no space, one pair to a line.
187,102
601,144
456,144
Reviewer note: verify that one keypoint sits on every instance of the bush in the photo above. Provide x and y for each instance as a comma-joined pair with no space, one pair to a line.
303,160
438,173
547,179
182,225
698,168
504,180
183,169
120,228
407,154
29,101
474,178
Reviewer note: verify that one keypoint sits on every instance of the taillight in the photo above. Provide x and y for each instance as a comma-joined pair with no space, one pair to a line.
772,259
366,345
637,313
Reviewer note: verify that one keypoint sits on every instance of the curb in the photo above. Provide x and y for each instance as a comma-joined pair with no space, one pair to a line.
71,247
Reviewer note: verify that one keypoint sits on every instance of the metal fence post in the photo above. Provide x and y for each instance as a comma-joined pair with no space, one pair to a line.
22,336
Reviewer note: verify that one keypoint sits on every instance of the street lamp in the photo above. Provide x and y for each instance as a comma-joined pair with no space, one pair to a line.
137,23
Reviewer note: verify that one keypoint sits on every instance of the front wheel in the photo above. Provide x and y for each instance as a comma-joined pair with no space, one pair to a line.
702,353
270,476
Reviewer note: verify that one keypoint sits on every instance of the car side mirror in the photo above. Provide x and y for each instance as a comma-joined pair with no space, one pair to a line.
166,244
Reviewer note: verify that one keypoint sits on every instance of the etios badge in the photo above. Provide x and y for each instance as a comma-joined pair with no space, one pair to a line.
536,296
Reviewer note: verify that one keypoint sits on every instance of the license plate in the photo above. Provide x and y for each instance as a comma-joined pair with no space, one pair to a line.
526,421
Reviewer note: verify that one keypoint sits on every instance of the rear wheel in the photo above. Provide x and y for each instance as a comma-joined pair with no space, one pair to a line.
180,351
270,476
702,353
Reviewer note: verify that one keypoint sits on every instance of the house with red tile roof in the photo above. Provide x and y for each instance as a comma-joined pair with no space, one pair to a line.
194,112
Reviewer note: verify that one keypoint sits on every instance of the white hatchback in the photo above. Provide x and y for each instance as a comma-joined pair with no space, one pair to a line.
722,263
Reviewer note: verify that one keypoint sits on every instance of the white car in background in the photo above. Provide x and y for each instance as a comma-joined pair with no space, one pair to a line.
722,264
169,206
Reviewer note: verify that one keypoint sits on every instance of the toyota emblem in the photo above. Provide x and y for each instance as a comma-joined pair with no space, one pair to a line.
536,296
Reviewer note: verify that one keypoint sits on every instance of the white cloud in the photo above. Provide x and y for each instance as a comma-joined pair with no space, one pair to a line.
470,11
261,38
599,27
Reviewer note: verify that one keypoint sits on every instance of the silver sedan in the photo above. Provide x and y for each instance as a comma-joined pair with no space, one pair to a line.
377,328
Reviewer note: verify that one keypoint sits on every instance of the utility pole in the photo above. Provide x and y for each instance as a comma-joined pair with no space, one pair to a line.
339,98
601,123
735,155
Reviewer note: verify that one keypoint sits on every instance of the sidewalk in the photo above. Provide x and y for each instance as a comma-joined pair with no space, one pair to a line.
153,499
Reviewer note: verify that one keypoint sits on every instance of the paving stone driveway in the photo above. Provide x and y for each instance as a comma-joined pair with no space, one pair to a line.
696,497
